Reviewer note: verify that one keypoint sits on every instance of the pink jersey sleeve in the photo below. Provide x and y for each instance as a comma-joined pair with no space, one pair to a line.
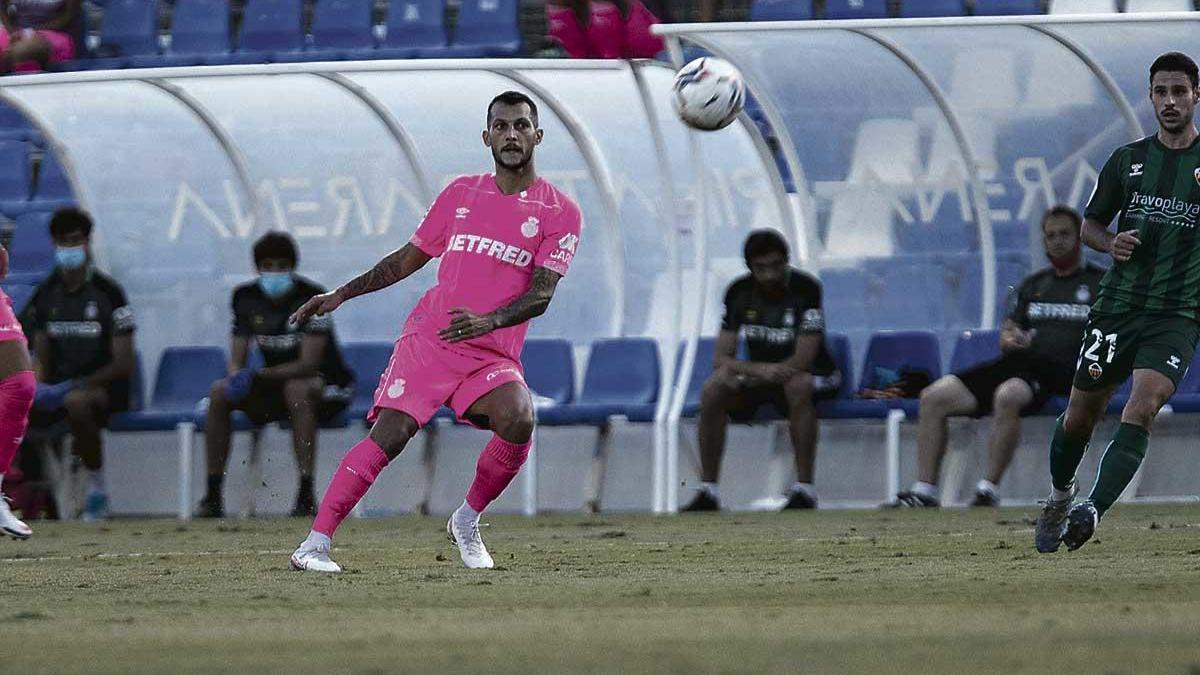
434,230
558,247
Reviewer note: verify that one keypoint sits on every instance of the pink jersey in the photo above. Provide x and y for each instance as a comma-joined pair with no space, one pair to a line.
10,328
489,243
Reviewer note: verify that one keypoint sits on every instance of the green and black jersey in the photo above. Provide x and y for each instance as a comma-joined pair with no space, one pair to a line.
1157,192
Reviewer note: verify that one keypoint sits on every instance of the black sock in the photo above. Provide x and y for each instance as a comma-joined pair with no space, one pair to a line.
214,487
306,490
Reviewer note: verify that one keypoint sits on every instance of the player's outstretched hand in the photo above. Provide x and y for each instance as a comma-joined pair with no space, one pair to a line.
1123,245
465,324
316,306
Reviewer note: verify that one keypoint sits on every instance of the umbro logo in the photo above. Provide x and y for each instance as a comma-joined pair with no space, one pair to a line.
1173,362
461,213
1135,170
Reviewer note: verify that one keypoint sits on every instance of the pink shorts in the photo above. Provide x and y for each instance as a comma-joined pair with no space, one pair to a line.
62,48
426,373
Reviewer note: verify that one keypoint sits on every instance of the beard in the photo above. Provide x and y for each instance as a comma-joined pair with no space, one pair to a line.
1181,122
512,166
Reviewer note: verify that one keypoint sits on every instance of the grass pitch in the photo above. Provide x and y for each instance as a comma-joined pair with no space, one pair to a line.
833,591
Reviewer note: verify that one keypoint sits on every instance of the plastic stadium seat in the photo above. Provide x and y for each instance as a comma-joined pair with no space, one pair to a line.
15,175
1007,7
129,28
914,9
975,347
844,289
184,377
414,26
621,379
889,352
1159,6
270,27
199,32
702,367
342,27
52,185
856,9
1083,7
486,28
781,10
31,252
549,365
908,292
368,360
14,126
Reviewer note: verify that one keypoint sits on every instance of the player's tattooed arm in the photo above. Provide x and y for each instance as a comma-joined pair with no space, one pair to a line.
395,266
465,324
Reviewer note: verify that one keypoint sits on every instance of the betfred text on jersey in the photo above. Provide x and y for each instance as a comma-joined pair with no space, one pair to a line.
473,243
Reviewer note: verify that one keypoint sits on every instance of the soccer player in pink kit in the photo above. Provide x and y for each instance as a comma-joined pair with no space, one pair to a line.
505,240
17,387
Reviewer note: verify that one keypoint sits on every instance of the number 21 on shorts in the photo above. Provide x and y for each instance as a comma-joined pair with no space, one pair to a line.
1097,340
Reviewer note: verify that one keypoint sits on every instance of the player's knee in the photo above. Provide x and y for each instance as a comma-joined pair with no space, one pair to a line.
78,403
934,398
716,391
300,392
392,431
516,424
798,390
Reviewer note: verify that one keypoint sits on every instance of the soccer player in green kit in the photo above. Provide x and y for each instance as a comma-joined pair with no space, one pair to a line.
1146,318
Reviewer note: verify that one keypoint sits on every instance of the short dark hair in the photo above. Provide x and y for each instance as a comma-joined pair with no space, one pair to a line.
1062,211
70,220
513,98
1176,62
762,242
276,244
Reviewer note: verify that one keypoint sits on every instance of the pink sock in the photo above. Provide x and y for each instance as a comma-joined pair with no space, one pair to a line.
498,464
350,482
16,397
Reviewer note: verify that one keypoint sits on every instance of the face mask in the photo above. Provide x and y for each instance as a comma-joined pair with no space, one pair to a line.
275,284
70,257
1068,261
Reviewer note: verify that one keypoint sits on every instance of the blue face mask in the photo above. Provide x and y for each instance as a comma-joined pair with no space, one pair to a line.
70,257
275,284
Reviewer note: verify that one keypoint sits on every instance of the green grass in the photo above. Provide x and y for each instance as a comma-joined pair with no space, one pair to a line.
850,591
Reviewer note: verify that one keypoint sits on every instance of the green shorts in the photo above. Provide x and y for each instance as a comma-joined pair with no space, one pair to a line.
1114,345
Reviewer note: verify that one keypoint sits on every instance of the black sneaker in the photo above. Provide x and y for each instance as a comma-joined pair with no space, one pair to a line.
703,502
210,508
799,499
912,500
985,498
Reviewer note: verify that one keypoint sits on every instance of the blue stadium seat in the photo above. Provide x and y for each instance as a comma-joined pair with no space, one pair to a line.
916,9
485,28
781,10
343,28
200,32
31,253
129,28
184,377
856,9
14,126
906,292
52,189
270,29
1007,7
368,360
702,368
888,353
414,26
549,365
621,379
16,178
975,347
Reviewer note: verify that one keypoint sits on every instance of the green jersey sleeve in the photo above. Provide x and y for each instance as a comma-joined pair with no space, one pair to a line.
1109,193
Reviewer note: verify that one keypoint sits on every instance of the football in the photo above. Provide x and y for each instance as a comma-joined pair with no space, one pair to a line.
708,93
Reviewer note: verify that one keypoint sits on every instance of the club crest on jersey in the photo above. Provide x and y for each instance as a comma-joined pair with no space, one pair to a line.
397,388
529,228
91,311
1095,371
1083,294
461,213
1196,175
789,318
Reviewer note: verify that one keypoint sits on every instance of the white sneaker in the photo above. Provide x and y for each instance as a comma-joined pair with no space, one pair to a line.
470,545
313,558
10,524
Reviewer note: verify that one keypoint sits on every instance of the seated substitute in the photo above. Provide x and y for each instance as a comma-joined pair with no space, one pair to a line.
777,308
81,331
302,380
1039,344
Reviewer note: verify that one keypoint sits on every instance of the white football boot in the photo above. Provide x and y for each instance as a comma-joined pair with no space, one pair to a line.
313,557
10,524
465,533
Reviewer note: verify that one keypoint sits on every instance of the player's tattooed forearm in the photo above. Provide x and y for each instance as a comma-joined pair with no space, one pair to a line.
531,303
386,272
